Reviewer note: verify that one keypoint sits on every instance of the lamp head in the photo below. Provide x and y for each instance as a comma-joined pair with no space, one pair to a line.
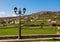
24,10
15,9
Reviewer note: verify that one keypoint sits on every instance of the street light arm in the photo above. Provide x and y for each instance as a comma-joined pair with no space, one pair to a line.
17,13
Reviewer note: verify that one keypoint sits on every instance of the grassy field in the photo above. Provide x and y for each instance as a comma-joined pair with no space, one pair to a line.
28,30
9,31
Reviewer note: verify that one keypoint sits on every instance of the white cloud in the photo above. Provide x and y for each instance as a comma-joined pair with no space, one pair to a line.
2,13
14,15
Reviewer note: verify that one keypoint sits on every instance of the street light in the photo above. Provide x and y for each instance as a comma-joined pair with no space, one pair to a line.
19,13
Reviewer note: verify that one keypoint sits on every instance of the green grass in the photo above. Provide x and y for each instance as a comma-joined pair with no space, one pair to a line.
39,31
13,29
58,30
9,31
26,31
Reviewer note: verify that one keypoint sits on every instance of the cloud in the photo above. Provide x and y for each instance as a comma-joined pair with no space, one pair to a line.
4,14
1,13
14,15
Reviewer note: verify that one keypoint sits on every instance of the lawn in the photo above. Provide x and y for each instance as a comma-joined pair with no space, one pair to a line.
28,30
39,31
9,31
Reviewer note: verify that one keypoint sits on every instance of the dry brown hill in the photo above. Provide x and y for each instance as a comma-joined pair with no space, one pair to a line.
40,15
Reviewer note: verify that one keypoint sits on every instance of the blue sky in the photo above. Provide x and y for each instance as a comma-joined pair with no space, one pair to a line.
32,6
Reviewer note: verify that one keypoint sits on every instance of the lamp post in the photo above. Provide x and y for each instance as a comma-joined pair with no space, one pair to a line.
19,12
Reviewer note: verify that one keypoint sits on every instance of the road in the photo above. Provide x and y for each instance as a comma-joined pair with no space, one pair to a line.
32,36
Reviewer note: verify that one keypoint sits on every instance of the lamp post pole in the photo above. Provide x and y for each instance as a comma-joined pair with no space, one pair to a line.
19,13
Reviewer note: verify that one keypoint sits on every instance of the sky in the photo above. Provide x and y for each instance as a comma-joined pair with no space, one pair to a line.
32,6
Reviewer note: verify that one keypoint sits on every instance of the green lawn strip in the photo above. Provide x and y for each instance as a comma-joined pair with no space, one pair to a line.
14,31
9,31
39,31
58,30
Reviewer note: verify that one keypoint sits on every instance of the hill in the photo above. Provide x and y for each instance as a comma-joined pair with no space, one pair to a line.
40,15
43,15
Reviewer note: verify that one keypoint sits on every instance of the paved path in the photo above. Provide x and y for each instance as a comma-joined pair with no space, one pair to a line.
15,40
32,36
26,38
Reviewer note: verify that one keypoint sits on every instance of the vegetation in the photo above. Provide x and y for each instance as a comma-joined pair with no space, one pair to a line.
40,25
13,30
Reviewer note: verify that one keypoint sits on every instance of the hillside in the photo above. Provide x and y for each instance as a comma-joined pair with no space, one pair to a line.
44,15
